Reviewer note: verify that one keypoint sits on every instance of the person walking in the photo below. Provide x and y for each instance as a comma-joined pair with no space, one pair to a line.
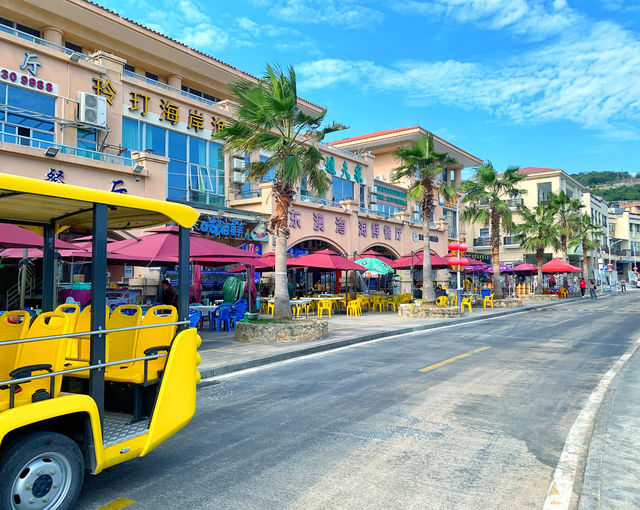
583,286
592,289
623,285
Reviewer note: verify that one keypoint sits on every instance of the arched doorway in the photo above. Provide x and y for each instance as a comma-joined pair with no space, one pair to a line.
313,244
306,279
383,250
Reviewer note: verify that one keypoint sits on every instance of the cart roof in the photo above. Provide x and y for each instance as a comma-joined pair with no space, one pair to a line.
35,202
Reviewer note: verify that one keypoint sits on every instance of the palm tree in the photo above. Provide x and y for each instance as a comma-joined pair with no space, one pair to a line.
422,166
488,195
268,117
567,212
585,234
537,231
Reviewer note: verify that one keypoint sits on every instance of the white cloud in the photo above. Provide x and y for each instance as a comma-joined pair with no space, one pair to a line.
345,13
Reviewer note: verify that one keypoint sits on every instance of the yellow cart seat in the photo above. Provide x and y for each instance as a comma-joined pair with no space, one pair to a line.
73,310
147,339
81,345
39,357
122,344
14,325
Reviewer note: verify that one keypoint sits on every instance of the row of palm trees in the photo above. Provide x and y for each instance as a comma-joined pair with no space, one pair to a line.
269,117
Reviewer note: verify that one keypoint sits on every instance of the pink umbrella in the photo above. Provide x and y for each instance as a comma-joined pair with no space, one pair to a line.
557,265
327,259
437,262
196,286
13,236
374,255
525,268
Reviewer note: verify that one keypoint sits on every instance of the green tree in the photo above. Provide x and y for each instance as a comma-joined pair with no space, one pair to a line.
268,117
536,231
487,199
587,235
567,214
422,166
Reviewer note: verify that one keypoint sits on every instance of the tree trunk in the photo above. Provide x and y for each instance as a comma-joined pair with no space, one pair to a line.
563,244
539,259
585,261
495,254
428,294
282,196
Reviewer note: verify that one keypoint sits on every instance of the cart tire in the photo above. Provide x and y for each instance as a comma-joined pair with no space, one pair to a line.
42,471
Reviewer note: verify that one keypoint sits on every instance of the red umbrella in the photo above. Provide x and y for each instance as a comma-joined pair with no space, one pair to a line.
162,246
374,255
13,236
557,265
437,262
525,268
327,259
36,253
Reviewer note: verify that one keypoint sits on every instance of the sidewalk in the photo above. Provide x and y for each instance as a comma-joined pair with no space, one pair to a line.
221,354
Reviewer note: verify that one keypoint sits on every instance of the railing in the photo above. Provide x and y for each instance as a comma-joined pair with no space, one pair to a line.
482,242
316,200
374,212
65,149
510,241
205,197
247,194
157,83
515,202
346,152
44,42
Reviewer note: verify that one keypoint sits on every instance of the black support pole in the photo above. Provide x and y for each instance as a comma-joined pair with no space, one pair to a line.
183,275
49,269
98,303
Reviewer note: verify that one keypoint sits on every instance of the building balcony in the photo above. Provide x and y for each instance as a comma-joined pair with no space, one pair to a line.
515,202
482,242
374,212
45,43
510,242
208,199
316,200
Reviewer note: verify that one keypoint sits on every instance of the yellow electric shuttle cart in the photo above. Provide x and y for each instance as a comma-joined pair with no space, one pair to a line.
81,391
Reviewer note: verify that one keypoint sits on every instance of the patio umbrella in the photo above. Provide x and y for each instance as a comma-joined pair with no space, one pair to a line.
375,255
13,236
196,285
525,268
557,265
376,266
503,269
326,259
437,262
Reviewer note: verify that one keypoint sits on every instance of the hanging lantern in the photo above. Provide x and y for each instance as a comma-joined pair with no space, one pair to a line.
610,268
458,264
462,247
453,246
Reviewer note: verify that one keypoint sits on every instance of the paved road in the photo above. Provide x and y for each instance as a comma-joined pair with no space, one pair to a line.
465,417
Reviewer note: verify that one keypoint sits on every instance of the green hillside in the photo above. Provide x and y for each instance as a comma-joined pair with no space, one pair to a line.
611,186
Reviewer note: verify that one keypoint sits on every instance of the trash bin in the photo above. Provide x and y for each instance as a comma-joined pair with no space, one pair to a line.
485,292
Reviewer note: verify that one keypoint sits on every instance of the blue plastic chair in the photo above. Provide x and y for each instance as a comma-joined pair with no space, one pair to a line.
31,311
195,316
221,315
238,310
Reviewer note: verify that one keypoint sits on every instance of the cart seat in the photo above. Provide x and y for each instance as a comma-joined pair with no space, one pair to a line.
14,325
80,346
159,338
35,358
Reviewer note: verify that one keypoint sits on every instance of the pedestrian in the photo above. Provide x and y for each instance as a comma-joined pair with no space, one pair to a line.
592,289
552,282
505,286
169,296
623,286
583,286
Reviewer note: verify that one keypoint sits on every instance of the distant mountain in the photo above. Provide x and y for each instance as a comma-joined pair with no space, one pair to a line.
611,186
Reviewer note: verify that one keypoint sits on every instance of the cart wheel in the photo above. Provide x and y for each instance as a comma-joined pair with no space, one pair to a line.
41,471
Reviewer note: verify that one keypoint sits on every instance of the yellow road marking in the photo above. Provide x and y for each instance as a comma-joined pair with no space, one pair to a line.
459,356
226,347
118,504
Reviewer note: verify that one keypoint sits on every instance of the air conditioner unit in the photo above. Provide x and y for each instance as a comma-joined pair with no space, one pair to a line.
372,189
92,109
237,164
416,208
373,199
238,177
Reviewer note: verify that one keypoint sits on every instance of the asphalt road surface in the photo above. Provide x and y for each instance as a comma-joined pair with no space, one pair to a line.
473,416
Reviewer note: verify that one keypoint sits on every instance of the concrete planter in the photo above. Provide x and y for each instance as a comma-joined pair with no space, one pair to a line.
539,297
289,331
506,303
423,312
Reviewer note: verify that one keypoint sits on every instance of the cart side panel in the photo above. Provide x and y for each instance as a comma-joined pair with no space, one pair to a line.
176,401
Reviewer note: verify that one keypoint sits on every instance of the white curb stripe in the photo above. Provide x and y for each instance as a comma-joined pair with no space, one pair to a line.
575,448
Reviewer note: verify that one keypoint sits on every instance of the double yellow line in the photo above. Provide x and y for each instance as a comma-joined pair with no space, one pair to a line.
455,358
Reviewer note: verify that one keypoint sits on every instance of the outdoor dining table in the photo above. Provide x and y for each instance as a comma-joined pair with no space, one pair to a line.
204,309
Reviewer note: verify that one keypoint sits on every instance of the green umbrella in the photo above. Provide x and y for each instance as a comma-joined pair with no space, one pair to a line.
375,265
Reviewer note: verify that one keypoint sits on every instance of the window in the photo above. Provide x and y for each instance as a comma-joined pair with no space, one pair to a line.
129,67
363,196
304,188
270,176
342,189
544,189
17,26
387,210
483,232
155,139
73,46
87,139
33,125
151,76
199,93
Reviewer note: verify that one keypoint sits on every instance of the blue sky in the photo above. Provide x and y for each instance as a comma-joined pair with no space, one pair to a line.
552,83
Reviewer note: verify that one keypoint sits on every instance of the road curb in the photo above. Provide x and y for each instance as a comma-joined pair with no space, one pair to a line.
274,358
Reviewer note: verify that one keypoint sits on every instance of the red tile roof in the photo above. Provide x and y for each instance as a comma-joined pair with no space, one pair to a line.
537,170
373,135
184,45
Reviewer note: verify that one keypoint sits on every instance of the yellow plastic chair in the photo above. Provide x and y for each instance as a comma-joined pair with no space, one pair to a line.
39,357
466,302
122,344
14,325
442,301
366,303
73,311
393,303
376,302
298,308
353,308
324,304
453,300
270,308
488,300
564,293
81,346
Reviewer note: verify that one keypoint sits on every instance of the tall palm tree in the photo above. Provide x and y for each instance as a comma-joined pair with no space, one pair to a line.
487,199
536,231
422,166
586,234
268,117
567,213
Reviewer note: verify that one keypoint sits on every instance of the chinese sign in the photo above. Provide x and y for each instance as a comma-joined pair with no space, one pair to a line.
330,168
28,82
55,176
223,227
420,237
391,195
30,63
104,88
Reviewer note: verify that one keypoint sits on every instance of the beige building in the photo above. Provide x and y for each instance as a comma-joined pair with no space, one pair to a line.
538,183
621,248
598,211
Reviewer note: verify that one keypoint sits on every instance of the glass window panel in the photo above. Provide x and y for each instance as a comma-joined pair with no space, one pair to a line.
216,156
155,139
194,176
31,101
177,194
220,182
177,177
177,146
130,135
197,151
